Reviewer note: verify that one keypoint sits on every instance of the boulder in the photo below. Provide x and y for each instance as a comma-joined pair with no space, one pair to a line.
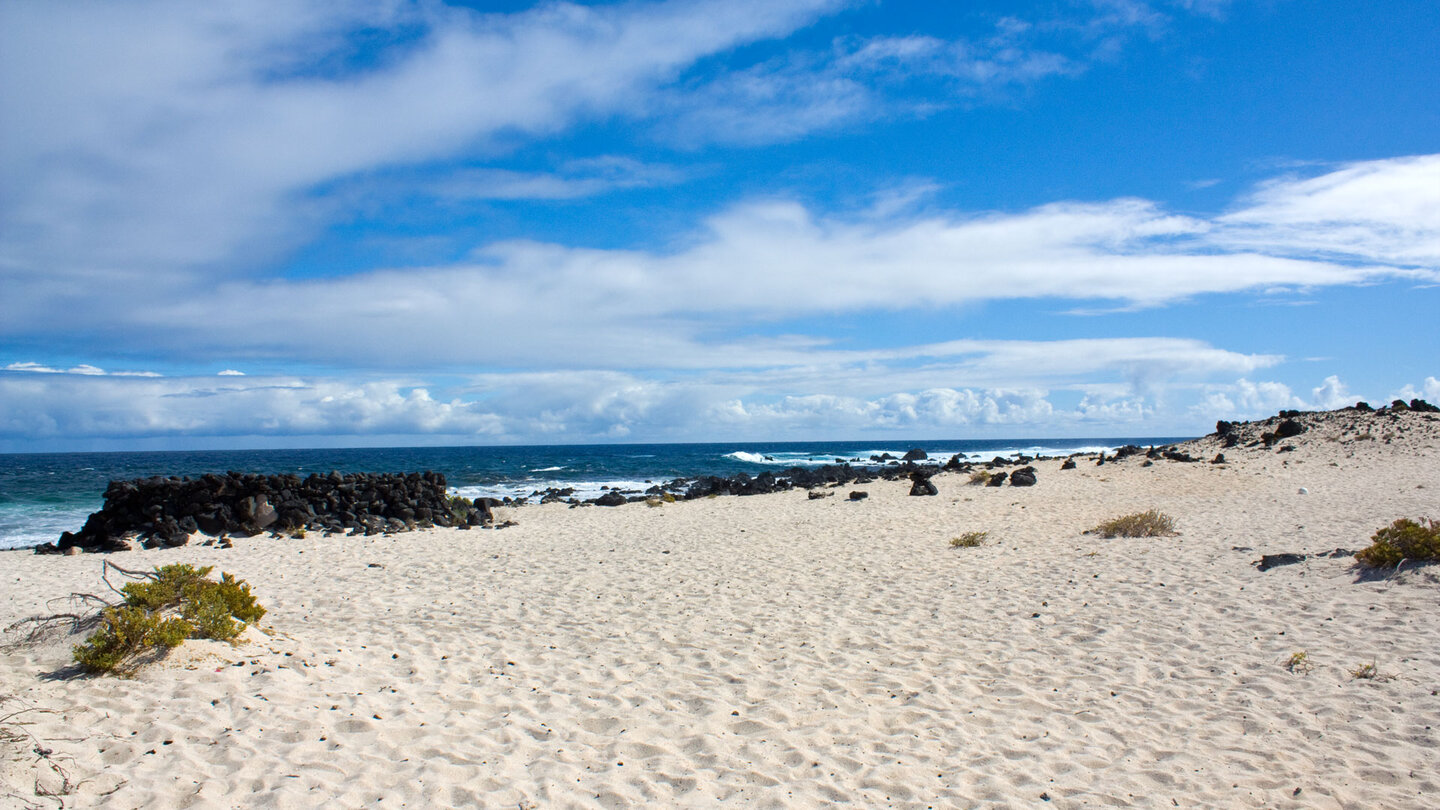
859,495
996,480
611,498
1068,465
915,455
1023,477
1288,428
920,484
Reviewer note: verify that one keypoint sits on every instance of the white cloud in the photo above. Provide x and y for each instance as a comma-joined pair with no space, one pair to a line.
84,369
1377,211
1331,394
932,389
230,372
1428,391
152,140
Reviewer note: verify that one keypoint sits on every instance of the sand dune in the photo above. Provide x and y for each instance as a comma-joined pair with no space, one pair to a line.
778,651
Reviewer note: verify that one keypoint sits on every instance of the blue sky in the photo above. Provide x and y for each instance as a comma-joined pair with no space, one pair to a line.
271,224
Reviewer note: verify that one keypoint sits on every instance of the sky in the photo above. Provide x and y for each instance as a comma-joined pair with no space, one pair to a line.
322,223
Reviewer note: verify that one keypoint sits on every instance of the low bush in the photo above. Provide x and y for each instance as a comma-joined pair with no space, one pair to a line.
169,605
1405,539
1140,524
460,507
969,540
980,478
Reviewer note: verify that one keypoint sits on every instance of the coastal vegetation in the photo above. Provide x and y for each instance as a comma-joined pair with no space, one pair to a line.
1405,539
969,540
1150,523
164,608
1299,662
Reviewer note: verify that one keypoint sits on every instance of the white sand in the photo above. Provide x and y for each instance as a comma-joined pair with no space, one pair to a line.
776,651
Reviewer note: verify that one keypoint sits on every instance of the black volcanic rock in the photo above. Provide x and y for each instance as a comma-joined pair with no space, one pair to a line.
1288,428
915,455
922,485
611,498
163,511
1023,477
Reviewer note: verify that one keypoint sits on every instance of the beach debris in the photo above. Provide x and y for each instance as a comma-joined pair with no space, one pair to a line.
1268,561
859,495
1023,477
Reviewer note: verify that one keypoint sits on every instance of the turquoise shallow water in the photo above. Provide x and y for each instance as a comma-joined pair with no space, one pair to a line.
43,494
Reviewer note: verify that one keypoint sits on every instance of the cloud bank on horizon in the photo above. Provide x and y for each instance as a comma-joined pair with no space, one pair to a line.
300,223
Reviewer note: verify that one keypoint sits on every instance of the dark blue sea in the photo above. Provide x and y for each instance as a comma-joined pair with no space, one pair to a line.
43,494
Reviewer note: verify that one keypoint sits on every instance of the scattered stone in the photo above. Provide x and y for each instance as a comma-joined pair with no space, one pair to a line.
1023,477
611,498
1268,561
996,480
1219,459
1068,465
815,496
859,495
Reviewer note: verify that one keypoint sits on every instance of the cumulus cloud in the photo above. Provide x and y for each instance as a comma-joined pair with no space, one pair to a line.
1428,390
72,406
855,394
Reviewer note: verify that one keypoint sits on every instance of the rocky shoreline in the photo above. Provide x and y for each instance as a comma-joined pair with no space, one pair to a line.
167,512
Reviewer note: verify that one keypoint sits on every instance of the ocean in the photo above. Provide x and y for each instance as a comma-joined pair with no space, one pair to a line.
43,494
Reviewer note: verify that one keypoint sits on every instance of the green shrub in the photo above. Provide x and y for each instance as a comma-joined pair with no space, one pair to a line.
171,604
969,540
1140,524
980,477
125,632
1405,539
460,507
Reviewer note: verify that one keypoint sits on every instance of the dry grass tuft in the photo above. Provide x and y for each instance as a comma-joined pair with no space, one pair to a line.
969,540
1140,524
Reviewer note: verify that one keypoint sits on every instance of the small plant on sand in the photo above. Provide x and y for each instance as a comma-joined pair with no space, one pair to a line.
1405,539
1299,663
162,609
969,540
1140,524
1368,672
654,502
297,534
980,478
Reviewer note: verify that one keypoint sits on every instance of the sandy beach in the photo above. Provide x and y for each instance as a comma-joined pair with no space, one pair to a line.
778,651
